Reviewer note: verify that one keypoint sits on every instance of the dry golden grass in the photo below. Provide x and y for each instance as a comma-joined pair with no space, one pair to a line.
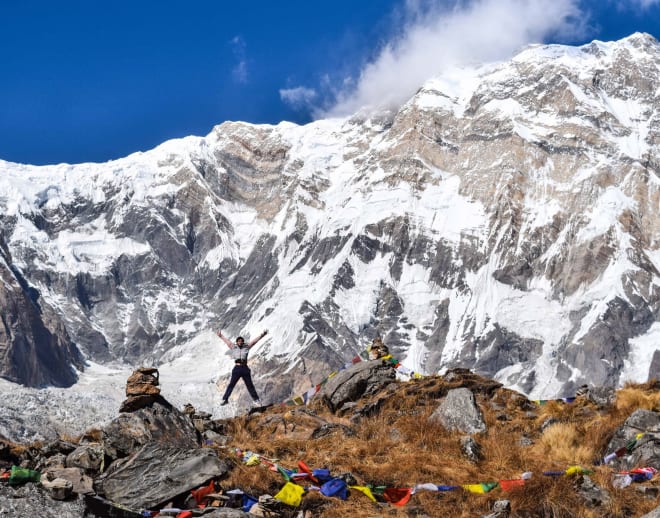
400,448
633,397
565,444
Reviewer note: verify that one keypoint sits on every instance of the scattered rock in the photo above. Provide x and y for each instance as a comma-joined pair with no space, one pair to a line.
59,488
602,397
471,449
81,484
459,412
58,446
30,501
650,492
160,422
525,441
548,422
141,389
646,450
357,381
56,461
331,428
88,457
158,472
653,514
592,494
501,509
367,411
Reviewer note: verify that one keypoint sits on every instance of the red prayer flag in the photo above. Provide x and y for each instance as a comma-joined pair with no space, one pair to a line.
397,495
199,494
508,485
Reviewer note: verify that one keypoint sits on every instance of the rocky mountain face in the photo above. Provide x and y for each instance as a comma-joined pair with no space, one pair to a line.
505,219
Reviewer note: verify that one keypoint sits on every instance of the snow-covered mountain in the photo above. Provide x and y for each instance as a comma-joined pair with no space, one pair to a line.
505,219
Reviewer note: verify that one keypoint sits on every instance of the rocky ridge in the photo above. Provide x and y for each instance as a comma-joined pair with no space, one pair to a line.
158,459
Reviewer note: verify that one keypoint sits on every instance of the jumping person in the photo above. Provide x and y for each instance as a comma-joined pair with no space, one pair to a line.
239,352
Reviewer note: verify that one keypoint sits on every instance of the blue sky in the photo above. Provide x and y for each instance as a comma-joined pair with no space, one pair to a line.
96,80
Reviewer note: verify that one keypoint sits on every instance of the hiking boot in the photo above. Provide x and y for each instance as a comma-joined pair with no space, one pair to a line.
224,402
256,403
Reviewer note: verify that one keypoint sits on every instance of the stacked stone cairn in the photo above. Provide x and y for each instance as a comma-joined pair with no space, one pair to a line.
141,389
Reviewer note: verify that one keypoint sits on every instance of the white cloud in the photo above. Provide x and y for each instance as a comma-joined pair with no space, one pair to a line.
435,37
240,70
643,4
299,98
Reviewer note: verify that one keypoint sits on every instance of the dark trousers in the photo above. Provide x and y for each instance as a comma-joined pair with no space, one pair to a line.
241,371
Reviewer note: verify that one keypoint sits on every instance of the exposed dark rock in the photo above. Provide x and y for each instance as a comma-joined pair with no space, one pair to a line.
158,472
81,483
134,403
357,381
602,397
331,428
88,457
56,461
30,501
58,488
58,446
646,450
650,492
35,348
592,494
159,422
459,412
471,449
501,509
653,514
548,422
367,411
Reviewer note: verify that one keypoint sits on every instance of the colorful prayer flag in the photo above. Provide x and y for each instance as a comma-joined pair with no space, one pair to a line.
509,485
365,490
290,494
484,487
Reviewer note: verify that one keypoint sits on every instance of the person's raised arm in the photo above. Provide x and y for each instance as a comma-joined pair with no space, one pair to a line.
258,338
225,339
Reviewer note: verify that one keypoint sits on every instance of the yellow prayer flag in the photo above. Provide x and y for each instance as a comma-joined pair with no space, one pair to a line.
365,490
474,488
290,494
577,470
253,460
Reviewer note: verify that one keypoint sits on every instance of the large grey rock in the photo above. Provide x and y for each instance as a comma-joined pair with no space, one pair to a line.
59,488
646,450
81,483
157,473
160,422
591,493
87,456
459,412
32,501
355,382
653,514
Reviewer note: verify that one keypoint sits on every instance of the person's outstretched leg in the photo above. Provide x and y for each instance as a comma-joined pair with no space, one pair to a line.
235,376
247,378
